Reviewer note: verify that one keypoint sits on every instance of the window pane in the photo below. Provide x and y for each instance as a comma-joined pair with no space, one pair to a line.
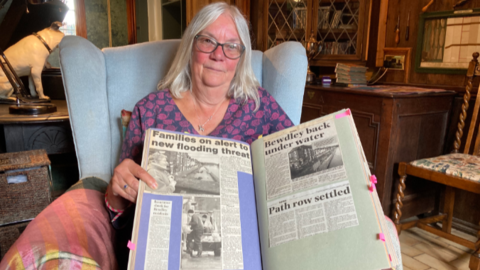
69,21
68,29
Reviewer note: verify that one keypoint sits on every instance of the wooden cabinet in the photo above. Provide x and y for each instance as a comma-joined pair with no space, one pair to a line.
340,26
193,6
392,127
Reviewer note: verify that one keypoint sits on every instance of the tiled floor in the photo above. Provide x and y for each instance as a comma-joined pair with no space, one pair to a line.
422,250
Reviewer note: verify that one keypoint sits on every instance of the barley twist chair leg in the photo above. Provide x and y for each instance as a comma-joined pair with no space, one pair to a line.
475,261
402,170
461,123
463,116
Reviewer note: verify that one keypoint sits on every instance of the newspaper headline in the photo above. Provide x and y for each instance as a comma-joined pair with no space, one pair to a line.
312,212
205,145
307,135
284,205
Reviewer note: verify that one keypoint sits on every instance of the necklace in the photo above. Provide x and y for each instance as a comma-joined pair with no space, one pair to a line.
201,127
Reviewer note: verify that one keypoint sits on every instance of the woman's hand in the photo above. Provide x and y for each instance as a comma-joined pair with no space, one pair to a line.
123,187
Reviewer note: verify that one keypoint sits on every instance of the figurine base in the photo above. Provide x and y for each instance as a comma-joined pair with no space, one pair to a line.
33,109
23,100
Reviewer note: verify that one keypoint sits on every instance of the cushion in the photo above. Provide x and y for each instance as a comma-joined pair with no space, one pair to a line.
459,165
125,116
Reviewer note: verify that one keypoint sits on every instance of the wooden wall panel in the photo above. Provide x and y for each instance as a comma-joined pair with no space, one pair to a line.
402,8
193,6
259,20
80,21
131,22
382,25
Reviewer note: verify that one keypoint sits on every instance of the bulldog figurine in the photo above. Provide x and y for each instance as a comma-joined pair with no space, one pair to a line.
28,57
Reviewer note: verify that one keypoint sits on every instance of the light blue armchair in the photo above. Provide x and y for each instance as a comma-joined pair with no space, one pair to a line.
100,83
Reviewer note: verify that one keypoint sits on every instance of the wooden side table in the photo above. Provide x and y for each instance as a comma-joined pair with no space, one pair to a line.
51,132
393,127
28,132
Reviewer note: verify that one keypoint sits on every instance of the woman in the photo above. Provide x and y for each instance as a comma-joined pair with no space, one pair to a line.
158,169
210,89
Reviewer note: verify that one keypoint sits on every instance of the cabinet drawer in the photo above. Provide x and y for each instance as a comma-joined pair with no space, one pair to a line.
340,100
354,102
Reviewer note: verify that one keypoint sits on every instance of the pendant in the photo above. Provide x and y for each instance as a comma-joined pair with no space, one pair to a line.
200,127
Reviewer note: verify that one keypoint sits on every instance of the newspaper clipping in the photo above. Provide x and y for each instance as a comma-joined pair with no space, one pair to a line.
158,239
304,214
204,172
311,160
310,157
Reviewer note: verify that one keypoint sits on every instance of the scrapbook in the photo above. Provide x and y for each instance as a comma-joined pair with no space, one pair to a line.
301,198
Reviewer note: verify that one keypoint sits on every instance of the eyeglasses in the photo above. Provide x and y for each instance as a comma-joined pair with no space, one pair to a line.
207,45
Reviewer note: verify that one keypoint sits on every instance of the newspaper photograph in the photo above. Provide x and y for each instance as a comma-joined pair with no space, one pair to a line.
184,173
325,209
311,157
201,233
200,176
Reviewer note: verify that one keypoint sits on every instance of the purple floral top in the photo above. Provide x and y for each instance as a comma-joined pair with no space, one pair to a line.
158,110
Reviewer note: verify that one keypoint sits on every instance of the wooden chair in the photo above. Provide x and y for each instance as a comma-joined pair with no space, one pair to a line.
455,171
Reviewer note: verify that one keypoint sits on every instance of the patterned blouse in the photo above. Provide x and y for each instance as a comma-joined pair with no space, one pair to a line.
240,122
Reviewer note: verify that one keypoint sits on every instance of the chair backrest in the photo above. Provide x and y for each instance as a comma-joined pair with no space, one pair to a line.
100,83
471,73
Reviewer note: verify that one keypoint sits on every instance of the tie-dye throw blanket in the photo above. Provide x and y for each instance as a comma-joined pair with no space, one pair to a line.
73,232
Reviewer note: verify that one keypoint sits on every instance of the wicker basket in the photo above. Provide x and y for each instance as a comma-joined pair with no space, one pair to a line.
8,235
23,201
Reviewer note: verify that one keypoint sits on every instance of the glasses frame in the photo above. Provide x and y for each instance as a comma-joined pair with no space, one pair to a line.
219,44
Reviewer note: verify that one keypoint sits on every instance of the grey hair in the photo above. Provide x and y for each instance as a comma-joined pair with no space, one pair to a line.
244,85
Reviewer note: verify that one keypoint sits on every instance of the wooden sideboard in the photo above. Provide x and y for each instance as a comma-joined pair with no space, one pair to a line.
393,127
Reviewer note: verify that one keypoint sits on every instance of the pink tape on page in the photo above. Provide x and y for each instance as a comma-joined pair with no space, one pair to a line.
346,113
390,257
373,179
131,245
371,187
381,236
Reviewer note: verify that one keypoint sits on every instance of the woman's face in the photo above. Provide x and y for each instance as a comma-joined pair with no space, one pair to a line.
161,160
214,69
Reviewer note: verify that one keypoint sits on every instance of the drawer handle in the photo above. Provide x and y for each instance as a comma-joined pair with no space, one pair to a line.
310,94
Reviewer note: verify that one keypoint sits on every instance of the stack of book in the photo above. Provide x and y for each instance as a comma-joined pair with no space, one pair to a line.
349,75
